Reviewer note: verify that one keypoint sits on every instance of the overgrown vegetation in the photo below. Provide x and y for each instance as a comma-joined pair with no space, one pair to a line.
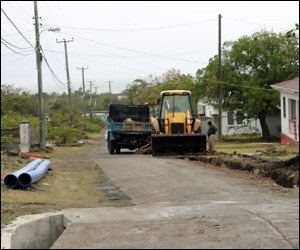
19,105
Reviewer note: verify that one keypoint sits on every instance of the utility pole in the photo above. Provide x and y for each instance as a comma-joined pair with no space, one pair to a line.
95,101
90,102
219,81
42,139
68,76
109,91
84,99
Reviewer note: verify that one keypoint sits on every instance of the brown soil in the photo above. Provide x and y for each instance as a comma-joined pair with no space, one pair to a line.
283,172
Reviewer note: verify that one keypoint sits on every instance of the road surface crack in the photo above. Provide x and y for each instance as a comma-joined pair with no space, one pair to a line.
271,224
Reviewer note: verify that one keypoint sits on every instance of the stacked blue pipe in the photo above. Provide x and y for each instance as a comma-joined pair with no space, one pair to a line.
31,173
30,177
11,180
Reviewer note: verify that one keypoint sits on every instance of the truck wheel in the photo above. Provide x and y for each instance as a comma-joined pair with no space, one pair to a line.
111,147
118,150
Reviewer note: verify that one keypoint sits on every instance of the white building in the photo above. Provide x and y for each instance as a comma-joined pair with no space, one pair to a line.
289,96
231,123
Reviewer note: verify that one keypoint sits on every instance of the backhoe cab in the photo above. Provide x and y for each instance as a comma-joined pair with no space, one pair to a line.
176,130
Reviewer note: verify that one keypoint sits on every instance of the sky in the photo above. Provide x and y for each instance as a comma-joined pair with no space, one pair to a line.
120,41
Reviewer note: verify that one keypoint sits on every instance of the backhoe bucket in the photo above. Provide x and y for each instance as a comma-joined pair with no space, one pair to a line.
178,144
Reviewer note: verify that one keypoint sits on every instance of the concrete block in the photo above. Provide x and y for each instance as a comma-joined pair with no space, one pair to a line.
38,231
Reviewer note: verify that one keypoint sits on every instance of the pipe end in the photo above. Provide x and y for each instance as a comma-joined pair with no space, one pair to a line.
11,181
24,180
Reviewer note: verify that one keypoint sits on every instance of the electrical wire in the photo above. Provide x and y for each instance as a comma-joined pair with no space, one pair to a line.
53,102
136,51
18,12
51,70
23,9
243,86
244,21
74,53
14,45
185,53
137,29
12,34
16,51
17,28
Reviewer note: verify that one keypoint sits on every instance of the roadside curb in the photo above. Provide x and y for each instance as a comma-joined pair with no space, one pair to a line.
33,231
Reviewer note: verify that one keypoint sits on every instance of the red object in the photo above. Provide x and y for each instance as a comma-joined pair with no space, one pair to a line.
288,140
36,155
293,127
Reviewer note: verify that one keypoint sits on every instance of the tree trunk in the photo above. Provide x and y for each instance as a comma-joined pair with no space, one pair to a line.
264,127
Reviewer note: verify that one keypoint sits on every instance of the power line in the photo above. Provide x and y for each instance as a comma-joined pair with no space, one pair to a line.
53,102
84,54
16,51
243,86
249,87
12,34
138,29
56,51
18,13
29,14
17,28
189,53
137,51
14,45
51,70
245,21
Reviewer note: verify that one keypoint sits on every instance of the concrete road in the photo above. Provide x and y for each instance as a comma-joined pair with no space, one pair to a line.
184,204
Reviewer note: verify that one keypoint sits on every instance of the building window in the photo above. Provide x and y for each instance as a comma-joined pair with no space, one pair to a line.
239,120
284,107
293,109
230,118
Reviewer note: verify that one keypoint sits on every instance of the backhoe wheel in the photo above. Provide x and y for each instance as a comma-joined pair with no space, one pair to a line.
111,147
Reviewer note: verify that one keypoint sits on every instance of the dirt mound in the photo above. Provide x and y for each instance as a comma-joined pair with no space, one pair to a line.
283,172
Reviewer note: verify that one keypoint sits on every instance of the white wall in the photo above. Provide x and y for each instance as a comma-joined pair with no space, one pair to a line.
249,126
285,121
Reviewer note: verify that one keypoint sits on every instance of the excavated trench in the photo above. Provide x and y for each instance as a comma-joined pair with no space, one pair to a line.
283,172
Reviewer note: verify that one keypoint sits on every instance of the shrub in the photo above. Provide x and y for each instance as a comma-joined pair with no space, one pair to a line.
12,120
7,138
64,134
95,125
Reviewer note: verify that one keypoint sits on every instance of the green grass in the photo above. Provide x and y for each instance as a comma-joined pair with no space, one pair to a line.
73,182
268,150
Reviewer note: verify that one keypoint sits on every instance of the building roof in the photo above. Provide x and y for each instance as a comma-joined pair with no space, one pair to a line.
290,85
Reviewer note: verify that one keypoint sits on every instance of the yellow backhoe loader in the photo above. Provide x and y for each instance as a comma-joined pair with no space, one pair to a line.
175,130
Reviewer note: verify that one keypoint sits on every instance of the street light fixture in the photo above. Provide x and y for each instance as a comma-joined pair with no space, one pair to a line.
51,29
54,29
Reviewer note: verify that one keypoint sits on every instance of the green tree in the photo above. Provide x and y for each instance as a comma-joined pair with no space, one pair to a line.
249,66
138,92
17,100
